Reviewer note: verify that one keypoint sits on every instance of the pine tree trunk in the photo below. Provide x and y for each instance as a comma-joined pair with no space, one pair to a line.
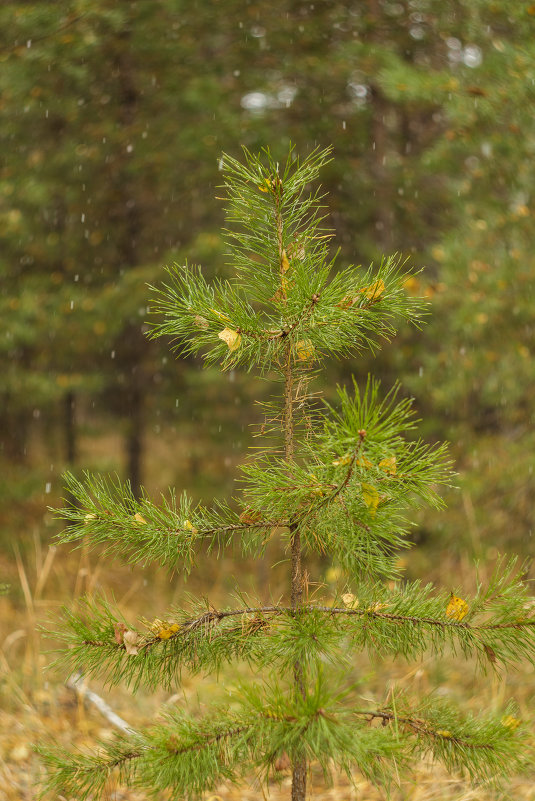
299,767
69,427
134,440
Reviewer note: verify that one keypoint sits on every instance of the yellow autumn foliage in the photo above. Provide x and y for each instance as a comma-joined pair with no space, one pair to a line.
457,608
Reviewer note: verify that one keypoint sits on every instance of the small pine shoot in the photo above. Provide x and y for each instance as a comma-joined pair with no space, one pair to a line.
339,482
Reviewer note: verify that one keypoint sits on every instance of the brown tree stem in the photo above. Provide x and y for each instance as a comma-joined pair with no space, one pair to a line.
299,766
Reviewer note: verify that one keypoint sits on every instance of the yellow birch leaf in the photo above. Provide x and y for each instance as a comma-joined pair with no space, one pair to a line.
343,460
167,631
510,722
137,518
375,290
188,525
130,640
389,465
88,518
267,186
370,497
444,733
457,608
285,264
304,350
350,600
231,338
362,461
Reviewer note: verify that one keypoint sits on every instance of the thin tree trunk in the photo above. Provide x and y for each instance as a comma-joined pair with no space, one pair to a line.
299,766
135,440
69,427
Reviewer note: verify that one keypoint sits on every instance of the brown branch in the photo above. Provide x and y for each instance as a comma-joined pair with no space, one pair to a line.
420,726
215,616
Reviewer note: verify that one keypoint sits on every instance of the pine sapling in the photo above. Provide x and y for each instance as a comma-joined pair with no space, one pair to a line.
337,481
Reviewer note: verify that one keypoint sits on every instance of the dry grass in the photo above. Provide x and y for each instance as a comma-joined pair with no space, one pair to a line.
36,705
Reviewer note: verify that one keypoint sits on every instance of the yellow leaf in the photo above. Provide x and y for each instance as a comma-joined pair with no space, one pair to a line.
188,525
231,338
370,497
304,350
456,609
130,640
510,722
444,733
285,264
364,462
389,465
375,290
137,518
88,518
343,460
167,631
376,607
350,600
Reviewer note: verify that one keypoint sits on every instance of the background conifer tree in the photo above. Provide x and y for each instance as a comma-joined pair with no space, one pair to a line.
338,482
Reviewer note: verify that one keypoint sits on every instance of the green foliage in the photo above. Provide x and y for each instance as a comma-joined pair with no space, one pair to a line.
345,486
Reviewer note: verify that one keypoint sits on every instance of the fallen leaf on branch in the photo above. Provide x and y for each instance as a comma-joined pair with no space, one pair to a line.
510,722
88,518
201,322
444,733
282,763
350,600
389,465
130,640
119,630
285,264
457,608
167,631
374,291
250,516
370,497
362,461
188,525
231,338
304,350
137,518
490,653
343,460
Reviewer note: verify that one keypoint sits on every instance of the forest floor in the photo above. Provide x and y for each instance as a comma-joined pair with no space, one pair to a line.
37,706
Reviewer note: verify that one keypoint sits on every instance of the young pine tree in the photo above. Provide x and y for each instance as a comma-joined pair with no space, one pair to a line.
336,482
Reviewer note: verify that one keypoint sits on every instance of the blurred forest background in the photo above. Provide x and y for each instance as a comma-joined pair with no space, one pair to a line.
113,117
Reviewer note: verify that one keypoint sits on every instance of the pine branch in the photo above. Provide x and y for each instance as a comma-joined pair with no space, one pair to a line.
105,513
409,620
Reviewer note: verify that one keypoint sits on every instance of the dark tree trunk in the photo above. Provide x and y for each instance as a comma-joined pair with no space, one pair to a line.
69,427
134,440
